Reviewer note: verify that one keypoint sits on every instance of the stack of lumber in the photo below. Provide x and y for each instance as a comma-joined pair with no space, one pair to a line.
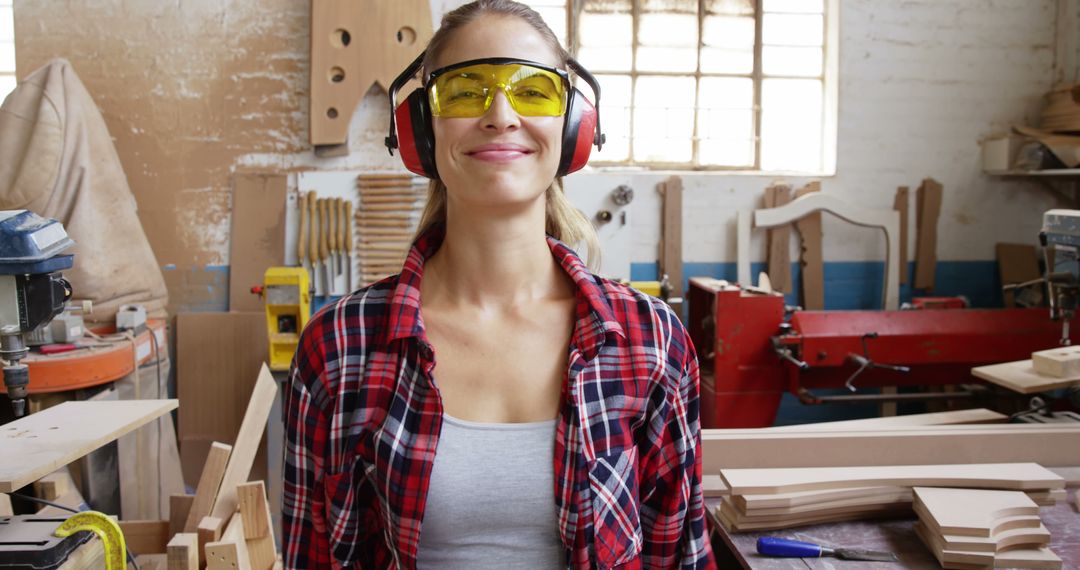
1046,370
390,207
769,499
978,528
1062,111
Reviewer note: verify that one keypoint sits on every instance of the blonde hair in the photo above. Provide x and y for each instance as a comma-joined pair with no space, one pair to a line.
563,221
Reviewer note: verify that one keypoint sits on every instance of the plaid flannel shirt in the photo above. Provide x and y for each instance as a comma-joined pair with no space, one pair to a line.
363,417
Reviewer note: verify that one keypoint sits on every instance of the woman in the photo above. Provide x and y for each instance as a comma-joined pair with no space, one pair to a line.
559,427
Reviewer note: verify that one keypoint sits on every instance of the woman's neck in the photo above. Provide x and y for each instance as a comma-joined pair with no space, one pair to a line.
493,260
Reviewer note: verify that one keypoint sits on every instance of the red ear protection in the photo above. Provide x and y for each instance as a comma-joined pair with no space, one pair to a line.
415,139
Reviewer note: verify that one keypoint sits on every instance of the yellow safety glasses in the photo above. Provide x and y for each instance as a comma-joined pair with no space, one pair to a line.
466,89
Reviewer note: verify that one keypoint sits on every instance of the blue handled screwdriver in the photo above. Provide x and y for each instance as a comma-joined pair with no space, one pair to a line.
773,546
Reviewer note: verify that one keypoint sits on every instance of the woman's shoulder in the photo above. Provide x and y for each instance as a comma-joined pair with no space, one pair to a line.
642,314
365,309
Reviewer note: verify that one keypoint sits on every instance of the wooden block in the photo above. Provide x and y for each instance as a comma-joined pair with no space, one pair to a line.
54,485
145,537
1050,445
209,483
779,259
258,235
975,416
254,510
152,561
1018,476
811,259
972,512
179,507
1017,263
1061,362
929,208
247,443
713,486
210,530
1021,376
5,506
183,552
52,438
900,204
229,553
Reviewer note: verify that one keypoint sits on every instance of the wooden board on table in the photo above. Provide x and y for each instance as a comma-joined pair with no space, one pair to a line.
1018,476
1039,558
975,416
972,512
779,259
742,519
899,498
1020,376
258,235
1063,362
750,501
811,258
928,210
247,444
1009,539
1050,445
183,552
794,521
40,443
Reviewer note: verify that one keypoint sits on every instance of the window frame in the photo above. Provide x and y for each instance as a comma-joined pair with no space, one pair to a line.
829,79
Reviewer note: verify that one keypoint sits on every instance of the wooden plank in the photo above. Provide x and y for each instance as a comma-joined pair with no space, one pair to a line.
899,497
145,537
742,519
929,209
900,204
972,512
811,258
1020,376
210,530
1029,537
183,552
258,235
1019,476
52,438
1017,263
209,484
779,238
794,521
1050,445
671,260
1063,362
753,501
179,507
247,443
974,416
229,553
258,525
152,561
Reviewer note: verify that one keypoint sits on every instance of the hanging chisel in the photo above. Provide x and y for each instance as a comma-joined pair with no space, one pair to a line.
313,243
773,546
339,215
323,245
301,236
331,242
348,245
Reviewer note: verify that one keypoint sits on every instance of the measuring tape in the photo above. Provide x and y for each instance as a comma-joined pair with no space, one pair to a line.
105,528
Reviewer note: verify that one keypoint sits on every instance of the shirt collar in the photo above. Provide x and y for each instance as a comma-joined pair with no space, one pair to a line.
595,317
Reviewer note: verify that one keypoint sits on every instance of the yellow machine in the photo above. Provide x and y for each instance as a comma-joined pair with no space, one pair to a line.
286,294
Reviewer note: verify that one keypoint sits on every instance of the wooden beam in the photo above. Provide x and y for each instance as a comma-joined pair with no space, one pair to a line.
779,237
671,254
900,204
183,552
811,259
45,441
210,530
929,209
145,537
1050,445
247,444
209,484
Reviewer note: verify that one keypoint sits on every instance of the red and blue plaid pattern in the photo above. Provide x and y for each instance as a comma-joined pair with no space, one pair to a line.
363,417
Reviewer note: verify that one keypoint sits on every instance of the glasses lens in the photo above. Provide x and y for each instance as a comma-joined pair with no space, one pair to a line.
468,92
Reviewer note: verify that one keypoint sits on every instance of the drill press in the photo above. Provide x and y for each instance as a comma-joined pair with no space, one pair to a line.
32,291
1060,238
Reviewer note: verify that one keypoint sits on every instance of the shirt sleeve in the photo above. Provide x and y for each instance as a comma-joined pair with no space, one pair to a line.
673,512
305,542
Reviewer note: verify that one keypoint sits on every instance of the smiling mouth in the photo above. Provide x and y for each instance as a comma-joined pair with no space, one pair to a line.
499,154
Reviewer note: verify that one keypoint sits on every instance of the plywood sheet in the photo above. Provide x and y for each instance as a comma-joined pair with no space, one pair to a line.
1020,376
41,443
972,512
258,235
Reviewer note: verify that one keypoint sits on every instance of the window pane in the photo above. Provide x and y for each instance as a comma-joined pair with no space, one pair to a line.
793,30
664,119
7,85
7,25
7,57
799,61
791,124
726,121
614,117
555,18
795,6
606,42
730,7
727,61
729,45
667,42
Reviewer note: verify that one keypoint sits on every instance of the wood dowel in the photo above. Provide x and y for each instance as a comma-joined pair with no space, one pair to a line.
390,198
383,223
389,207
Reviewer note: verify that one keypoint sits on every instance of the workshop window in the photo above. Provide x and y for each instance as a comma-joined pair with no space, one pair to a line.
744,85
7,49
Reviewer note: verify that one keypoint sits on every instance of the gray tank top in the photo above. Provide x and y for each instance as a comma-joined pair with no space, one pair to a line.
491,500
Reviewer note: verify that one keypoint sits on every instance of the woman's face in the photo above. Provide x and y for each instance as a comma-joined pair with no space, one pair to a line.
499,158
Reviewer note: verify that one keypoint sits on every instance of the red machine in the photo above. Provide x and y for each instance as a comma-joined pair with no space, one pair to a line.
755,355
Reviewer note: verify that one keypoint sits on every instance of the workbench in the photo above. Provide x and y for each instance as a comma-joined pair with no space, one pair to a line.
895,535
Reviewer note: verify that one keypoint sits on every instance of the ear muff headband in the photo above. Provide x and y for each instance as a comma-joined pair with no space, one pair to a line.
411,132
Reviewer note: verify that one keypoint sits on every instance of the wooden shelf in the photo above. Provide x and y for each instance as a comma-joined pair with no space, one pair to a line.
1056,172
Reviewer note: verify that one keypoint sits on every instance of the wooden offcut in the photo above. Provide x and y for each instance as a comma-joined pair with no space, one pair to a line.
974,512
1017,263
52,438
811,258
671,262
145,537
1021,376
900,204
183,552
779,259
179,507
209,484
1061,362
928,210
230,552
258,526
952,417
